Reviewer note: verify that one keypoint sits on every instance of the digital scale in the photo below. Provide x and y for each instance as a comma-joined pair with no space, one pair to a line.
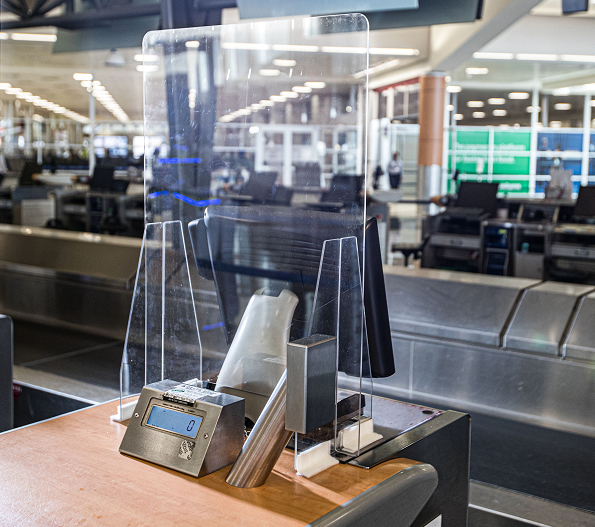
186,428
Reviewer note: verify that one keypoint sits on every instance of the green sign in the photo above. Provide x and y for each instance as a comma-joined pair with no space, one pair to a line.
506,145
510,152
512,186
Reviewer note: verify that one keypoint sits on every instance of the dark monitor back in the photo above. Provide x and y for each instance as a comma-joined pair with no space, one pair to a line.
283,247
344,189
585,203
29,169
478,195
260,186
103,177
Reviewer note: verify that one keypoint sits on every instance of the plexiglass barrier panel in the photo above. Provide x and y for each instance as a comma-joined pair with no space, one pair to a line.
162,341
338,311
255,142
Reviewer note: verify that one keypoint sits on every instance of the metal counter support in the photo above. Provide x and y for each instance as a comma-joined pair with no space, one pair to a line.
265,444
6,358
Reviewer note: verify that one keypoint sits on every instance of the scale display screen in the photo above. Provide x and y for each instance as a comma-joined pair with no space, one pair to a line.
176,422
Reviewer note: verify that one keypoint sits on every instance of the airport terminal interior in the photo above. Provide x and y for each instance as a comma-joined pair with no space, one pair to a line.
313,263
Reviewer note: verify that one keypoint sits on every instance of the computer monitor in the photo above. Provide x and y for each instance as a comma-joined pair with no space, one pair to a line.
283,247
29,170
260,186
103,177
478,195
344,189
585,203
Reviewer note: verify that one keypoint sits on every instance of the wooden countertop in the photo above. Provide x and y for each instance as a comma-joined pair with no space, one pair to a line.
68,471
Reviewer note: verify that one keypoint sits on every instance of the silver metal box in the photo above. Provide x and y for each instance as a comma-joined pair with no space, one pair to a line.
311,377
214,443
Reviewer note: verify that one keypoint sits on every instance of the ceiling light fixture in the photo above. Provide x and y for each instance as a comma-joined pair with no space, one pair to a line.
317,85
476,71
562,106
289,94
499,113
23,95
302,89
278,98
537,56
492,56
405,52
459,117
33,37
578,58
193,44
479,115
5,86
284,63
269,72
475,104
496,100
147,58
295,47
375,69
4,36
249,46
13,91
83,76
266,102
146,68
454,89
519,95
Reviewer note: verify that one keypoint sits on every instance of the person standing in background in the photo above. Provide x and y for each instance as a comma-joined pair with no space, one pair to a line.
395,171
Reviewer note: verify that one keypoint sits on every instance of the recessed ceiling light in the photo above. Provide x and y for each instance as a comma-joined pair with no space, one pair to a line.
562,106
256,106
459,116
344,49
13,91
561,91
530,109
454,89
244,111
476,71
302,89
496,101
266,102
278,98
555,124
83,76
295,47
284,63
536,56
192,44
518,95
450,107
289,94
33,37
499,113
592,103
249,46
448,78
147,58
269,72
405,52
492,56
147,67
479,115
4,36
578,58
5,86
317,85
475,104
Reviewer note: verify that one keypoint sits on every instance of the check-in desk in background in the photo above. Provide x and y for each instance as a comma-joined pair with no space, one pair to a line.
539,239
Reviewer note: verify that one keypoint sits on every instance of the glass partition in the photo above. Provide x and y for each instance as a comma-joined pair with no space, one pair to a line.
262,134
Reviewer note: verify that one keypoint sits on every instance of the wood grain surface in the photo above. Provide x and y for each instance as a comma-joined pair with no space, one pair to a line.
68,471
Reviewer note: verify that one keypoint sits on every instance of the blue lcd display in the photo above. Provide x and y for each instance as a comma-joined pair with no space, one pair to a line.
172,421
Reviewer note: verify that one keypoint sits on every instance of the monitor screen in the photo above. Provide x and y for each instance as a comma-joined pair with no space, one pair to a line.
585,203
478,195
102,179
260,186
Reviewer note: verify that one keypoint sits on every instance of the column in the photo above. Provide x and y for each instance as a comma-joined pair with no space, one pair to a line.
431,130
586,140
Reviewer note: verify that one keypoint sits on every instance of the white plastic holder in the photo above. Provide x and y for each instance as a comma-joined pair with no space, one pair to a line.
315,460
125,412
364,428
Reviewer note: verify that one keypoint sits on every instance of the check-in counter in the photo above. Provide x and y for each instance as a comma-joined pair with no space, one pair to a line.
78,281
580,342
542,316
515,348
457,306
